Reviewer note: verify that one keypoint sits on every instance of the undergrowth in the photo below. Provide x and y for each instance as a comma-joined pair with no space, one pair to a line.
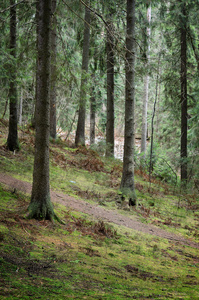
86,258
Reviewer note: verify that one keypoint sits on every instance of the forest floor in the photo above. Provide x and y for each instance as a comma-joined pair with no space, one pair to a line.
98,212
105,249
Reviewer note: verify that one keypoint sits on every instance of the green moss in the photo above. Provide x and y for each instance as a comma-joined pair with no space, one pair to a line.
45,260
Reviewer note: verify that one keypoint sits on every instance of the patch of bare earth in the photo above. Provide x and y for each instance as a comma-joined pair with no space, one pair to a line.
98,212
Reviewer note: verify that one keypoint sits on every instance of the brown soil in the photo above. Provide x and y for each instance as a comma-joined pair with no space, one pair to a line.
98,212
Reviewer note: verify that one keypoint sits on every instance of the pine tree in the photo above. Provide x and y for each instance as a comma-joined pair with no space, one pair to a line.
40,206
127,183
12,141
80,132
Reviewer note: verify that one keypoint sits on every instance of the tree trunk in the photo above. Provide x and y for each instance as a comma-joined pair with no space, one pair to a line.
127,183
53,119
40,206
110,91
80,132
144,115
12,141
92,115
36,86
152,121
146,86
183,80
21,108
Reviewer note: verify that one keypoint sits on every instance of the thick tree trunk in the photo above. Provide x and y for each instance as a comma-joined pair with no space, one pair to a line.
12,141
40,206
146,86
110,91
80,132
183,80
127,183
53,119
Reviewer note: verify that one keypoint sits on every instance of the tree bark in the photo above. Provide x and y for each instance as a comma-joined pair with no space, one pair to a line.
110,91
127,183
40,206
53,119
146,86
80,132
183,80
92,114
12,140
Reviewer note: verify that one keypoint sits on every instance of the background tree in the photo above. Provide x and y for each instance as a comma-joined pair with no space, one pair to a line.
92,112
40,206
183,80
146,82
80,132
12,141
127,183
53,81
110,87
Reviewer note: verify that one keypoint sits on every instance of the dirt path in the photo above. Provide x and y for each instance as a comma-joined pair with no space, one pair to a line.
98,212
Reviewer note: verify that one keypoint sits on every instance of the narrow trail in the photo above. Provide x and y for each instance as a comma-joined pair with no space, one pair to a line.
98,212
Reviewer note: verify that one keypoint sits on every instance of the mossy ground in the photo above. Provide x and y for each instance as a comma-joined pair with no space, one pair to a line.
86,259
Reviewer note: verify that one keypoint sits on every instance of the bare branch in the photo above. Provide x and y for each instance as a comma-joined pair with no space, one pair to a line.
2,11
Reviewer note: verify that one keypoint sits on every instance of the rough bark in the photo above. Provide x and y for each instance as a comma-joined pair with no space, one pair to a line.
183,80
80,132
110,91
127,183
53,118
12,141
40,206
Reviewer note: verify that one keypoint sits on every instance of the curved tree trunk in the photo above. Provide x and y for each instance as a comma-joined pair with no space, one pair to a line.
80,132
40,206
12,141
110,91
53,119
127,183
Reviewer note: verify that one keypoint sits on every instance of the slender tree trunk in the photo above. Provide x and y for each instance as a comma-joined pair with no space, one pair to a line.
152,121
53,119
144,115
183,80
12,141
5,109
80,132
110,91
146,86
92,114
40,206
33,121
127,183
21,108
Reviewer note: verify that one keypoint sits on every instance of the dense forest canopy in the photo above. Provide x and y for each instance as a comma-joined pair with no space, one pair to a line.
168,57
